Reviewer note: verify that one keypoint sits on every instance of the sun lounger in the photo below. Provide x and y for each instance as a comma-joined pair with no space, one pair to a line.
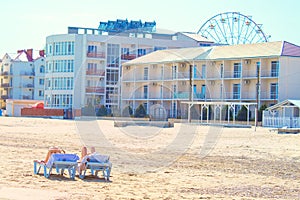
60,162
96,162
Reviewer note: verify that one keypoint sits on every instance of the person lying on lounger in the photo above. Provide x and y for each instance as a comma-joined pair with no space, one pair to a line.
51,151
90,157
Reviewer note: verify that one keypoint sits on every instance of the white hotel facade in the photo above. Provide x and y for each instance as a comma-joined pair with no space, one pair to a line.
218,74
83,67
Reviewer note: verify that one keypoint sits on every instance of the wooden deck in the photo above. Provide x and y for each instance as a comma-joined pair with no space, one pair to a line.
288,130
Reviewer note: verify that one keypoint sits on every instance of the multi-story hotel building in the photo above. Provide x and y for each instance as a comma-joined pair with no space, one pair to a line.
264,72
22,76
83,67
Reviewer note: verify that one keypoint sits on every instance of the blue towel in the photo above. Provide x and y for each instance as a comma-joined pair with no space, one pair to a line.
61,157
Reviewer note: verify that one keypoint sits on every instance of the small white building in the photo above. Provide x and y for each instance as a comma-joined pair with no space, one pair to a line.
283,114
22,76
14,107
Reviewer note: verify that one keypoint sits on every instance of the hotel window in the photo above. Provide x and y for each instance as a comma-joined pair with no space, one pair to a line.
41,81
236,91
61,100
41,93
174,87
70,67
221,70
61,83
146,107
195,93
145,91
63,48
57,49
203,71
70,48
42,69
124,51
221,91
274,90
113,55
49,50
274,68
174,106
195,74
174,72
48,67
92,49
92,67
237,70
49,84
257,68
63,66
146,73
203,91
141,52
112,76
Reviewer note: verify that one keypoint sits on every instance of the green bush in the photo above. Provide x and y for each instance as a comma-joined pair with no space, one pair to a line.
88,110
260,112
242,114
102,111
127,111
140,111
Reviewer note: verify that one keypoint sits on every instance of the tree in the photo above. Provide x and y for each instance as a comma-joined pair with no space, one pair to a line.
88,110
127,111
140,111
242,114
260,112
102,111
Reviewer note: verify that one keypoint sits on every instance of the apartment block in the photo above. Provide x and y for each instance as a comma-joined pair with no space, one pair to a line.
83,67
22,76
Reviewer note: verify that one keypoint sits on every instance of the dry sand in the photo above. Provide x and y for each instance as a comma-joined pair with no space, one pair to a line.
212,163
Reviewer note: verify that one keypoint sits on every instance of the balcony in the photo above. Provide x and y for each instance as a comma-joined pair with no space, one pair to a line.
128,56
5,73
26,97
28,85
24,73
95,72
94,90
113,65
95,54
5,85
4,97
185,95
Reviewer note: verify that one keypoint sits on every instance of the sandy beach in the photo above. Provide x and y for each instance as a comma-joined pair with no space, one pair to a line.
184,162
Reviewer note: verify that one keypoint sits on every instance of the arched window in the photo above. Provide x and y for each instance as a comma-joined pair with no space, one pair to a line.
42,69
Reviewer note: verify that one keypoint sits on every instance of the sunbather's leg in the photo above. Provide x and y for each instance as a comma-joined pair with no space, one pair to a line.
81,165
83,152
51,151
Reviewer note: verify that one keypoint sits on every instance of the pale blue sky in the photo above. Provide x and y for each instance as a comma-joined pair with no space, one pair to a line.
26,24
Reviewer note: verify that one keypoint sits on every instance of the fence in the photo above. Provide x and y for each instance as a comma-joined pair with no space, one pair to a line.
278,122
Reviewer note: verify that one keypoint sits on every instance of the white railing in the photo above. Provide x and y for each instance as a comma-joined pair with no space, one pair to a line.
278,122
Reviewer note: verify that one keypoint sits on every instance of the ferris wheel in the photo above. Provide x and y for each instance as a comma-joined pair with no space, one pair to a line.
233,28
